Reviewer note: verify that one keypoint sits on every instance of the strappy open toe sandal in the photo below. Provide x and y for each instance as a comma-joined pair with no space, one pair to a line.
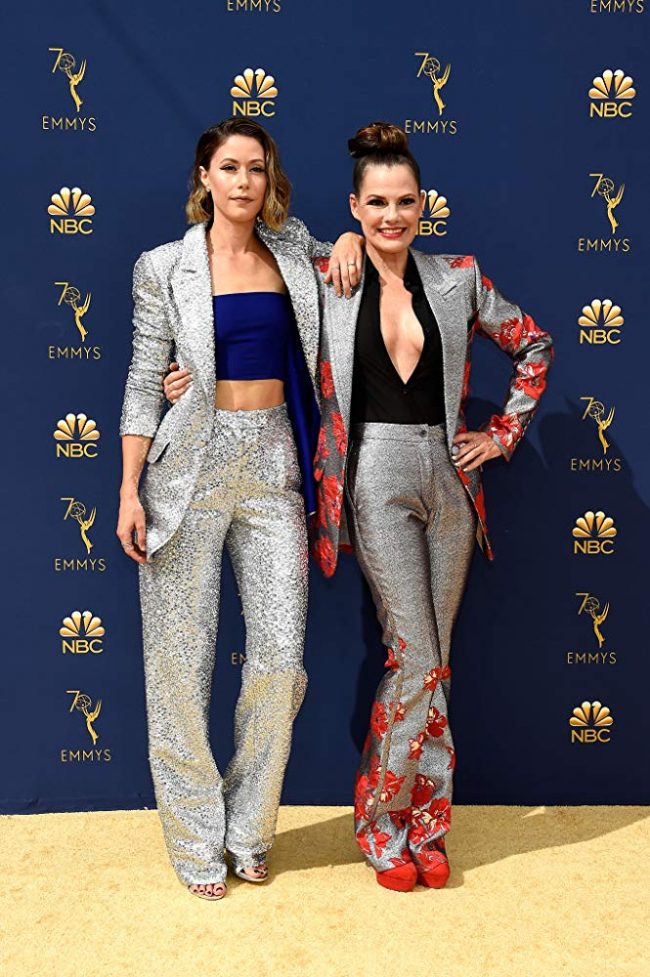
255,862
211,896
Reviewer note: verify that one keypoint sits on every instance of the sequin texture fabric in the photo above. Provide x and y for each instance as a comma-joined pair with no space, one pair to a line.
246,497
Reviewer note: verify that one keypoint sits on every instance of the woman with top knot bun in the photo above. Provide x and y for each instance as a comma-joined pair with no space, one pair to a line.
398,468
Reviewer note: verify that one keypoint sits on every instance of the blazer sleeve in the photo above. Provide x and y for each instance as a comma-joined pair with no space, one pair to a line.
152,347
531,352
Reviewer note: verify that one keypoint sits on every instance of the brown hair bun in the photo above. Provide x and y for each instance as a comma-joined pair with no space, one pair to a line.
378,137
380,144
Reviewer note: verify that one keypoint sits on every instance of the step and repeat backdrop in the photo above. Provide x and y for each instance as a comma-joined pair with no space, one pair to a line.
530,123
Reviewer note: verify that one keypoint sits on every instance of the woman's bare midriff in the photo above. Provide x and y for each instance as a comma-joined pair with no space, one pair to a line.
248,394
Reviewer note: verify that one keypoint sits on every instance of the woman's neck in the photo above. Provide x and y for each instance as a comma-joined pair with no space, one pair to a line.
227,237
389,264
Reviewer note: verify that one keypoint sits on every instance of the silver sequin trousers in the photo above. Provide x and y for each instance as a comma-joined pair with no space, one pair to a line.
247,496
412,526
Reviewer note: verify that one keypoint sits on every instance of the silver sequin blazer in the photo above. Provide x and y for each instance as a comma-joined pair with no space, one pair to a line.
173,319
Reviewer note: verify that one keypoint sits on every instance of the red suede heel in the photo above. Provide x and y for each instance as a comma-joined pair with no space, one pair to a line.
435,878
402,878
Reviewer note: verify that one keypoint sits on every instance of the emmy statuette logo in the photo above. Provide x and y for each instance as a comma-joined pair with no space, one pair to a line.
254,93
434,216
611,95
600,419
71,296
616,6
77,512
600,323
82,705
597,612
82,634
594,534
591,722
430,69
611,196
71,212
65,64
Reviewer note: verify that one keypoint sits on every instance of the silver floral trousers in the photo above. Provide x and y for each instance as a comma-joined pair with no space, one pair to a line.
412,526
247,497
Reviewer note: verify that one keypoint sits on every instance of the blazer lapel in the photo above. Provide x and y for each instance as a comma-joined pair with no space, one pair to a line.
192,289
300,279
450,315
341,316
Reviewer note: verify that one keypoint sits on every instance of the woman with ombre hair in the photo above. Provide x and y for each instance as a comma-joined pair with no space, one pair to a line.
397,464
235,301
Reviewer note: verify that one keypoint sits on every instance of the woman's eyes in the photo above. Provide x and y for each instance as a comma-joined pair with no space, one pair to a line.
254,169
406,202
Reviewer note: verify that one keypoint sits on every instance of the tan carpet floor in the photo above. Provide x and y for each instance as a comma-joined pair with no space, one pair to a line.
534,891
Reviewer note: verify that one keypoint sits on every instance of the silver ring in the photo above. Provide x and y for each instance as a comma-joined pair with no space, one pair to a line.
352,264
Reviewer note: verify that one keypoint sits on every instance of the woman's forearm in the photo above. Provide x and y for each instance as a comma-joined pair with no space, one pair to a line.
135,448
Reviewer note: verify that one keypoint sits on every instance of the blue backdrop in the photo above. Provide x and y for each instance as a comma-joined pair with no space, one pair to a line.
523,159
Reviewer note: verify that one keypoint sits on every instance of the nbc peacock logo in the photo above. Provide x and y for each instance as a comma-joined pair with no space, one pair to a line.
435,215
71,211
591,722
611,95
81,633
600,323
594,534
76,436
254,93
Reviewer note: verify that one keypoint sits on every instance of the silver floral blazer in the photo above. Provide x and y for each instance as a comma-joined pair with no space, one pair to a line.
464,302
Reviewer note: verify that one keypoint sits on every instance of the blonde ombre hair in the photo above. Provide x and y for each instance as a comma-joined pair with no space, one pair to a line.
275,210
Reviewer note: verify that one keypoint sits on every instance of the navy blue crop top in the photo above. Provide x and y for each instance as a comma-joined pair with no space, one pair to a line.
252,331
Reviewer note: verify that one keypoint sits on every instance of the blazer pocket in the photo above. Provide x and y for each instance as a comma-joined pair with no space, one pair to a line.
157,448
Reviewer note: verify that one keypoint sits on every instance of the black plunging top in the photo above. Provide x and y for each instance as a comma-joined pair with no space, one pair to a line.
378,392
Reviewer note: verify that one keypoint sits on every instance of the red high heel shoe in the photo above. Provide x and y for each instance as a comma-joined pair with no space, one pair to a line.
433,865
402,878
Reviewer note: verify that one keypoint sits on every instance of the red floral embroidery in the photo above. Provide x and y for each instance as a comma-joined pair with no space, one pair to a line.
507,428
375,771
400,818
391,787
423,790
323,264
510,334
531,378
391,661
338,430
401,644
332,494
378,719
436,722
432,678
452,757
462,261
487,283
362,840
440,811
400,712
326,379
415,747
380,838
322,451
323,553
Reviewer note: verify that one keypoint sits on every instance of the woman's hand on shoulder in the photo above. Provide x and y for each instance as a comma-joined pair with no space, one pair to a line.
176,383
345,263
473,449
